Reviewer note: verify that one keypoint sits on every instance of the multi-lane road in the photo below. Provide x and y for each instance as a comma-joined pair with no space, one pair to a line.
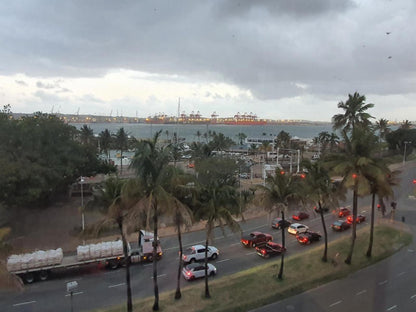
101,288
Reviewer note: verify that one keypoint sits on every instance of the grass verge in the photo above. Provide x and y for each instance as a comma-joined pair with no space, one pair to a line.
259,286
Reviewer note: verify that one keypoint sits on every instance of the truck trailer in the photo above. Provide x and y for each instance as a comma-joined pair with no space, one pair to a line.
38,265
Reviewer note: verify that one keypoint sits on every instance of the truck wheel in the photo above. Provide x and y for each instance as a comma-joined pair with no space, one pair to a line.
29,278
150,258
113,264
43,275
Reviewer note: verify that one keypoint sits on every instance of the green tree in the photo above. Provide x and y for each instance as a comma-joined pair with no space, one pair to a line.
121,144
406,124
241,137
382,126
354,113
105,140
355,163
150,162
283,139
86,136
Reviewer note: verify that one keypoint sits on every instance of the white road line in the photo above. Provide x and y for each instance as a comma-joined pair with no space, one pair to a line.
414,296
146,265
250,253
335,303
401,273
222,260
23,303
75,293
235,244
255,228
116,285
383,282
361,292
410,250
392,308
161,275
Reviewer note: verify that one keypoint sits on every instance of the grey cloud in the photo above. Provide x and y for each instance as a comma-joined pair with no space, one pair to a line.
21,82
42,85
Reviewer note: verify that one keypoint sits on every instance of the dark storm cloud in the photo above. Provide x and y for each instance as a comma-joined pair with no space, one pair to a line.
271,48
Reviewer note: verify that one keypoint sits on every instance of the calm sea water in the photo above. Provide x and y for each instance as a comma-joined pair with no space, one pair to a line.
189,132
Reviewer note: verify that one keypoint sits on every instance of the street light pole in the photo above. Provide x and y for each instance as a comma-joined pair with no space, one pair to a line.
404,154
81,181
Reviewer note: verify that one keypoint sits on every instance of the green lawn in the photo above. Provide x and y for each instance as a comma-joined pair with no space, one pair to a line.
259,286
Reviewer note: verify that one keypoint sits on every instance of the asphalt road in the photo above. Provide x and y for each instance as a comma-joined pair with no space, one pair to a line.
387,286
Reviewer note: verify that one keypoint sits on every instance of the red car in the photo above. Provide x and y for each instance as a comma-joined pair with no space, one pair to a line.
360,218
270,249
300,215
256,238
343,212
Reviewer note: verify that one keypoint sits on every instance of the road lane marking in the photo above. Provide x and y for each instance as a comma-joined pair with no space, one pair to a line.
161,275
75,293
116,285
146,265
401,273
335,303
392,308
250,253
23,303
235,244
361,292
414,296
383,282
222,260
410,250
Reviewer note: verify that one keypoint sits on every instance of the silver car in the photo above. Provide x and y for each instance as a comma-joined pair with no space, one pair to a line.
197,270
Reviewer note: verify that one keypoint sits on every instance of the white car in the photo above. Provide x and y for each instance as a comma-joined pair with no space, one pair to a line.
197,253
297,228
197,270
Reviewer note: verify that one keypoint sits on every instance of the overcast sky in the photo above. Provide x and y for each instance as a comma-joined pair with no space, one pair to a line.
280,59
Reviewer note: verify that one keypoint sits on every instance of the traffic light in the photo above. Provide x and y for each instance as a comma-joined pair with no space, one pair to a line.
303,176
282,172
354,176
414,181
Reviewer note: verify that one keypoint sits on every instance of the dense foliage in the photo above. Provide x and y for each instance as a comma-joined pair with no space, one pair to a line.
40,156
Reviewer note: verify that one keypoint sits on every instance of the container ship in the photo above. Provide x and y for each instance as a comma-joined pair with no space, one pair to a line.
196,118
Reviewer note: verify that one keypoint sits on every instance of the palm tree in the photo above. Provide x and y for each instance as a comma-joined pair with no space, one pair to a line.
355,164
177,183
121,144
216,201
333,142
283,139
150,162
86,135
241,137
381,185
198,135
321,191
406,124
116,208
354,113
382,126
105,142
276,194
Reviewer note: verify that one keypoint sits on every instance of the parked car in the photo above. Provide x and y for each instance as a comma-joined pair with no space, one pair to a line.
308,237
270,249
278,223
300,215
343,212
317,210
197,270
197,253
360,218
297,228
256,238
340,225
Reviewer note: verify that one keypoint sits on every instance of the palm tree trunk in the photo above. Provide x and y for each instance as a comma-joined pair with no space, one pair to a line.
354,224
155,243
370,245
207,294
178,294
280,276
127,259
325,256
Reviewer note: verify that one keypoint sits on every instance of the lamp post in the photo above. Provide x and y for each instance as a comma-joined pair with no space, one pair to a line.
404,154
81,181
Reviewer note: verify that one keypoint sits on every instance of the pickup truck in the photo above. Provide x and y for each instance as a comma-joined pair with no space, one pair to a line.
270,249
256,238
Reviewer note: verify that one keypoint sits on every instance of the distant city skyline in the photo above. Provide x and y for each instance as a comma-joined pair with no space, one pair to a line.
278,59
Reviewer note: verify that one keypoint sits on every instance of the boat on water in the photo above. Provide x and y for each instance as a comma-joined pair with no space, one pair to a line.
196,118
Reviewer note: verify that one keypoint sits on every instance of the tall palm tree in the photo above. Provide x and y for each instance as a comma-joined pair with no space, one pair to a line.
216,201
121,144
116,208
321,191
276,194
86,135
354,113
382,126
105,140
150,162
355,164
406,124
